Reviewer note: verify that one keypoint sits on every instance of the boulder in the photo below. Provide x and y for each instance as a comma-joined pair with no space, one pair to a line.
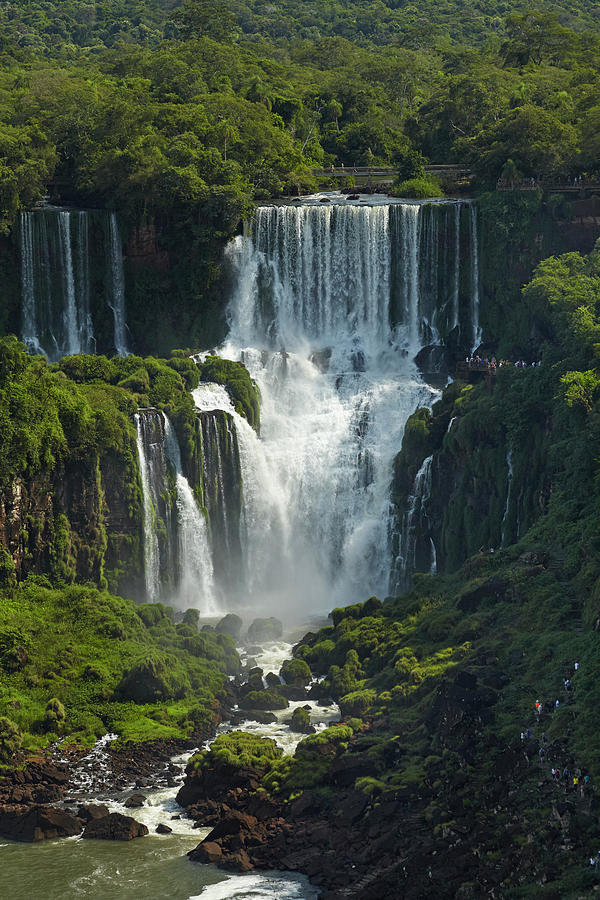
206,852
229,624
114,827
135,801
233,823
237,862
273,680
163,829
87,812
38,823
265,630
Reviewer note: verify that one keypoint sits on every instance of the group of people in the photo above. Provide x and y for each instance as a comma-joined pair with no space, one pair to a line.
485,363
575,780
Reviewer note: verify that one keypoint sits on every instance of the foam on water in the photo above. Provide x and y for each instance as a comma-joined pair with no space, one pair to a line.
260,887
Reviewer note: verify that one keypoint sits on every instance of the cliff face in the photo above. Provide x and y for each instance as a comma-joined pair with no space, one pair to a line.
489,477
79,522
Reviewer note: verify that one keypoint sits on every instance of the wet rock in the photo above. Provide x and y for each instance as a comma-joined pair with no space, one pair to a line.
233,823
346,769
237,862
265,630
273,680
206,852
163,829
38,823
291,692
230,624
135,801
115,827
87,812
253,715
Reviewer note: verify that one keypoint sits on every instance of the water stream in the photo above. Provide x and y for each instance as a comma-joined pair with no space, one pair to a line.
154,867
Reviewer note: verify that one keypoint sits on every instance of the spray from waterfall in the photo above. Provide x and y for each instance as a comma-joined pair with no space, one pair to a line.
331,305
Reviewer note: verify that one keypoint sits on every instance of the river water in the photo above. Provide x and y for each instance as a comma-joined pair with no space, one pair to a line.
154,867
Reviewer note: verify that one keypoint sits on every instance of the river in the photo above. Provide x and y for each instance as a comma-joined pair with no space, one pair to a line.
154,867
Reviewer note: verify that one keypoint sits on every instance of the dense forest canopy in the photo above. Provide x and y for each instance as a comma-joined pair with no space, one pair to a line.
171,107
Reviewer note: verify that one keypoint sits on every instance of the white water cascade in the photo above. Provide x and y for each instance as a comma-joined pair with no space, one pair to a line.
196,580
177,555
332,302
416,519
55,280
509,481
150,446
58,300
117,286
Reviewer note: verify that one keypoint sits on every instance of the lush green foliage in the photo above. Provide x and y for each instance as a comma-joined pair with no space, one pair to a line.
188,113
238,749
91,663
243,391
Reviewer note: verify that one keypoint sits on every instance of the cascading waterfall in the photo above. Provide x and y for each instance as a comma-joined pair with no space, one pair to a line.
117,286
331,305
509,481
150,436
221,483
195,587
177,557
415,524
475,276
56,281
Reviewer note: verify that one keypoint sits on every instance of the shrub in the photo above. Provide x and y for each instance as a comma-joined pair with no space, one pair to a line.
419,188
296,672
191,617
10,739
357,702
153,679
237,749
230,624
265,630
263,700
300,721
54,715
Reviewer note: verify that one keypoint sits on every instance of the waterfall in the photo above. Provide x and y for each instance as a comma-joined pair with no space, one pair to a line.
456,293
177,557
331,303
477,335
151,460
117,286
57,250
415,525
509,481
55,282
195,586
222,482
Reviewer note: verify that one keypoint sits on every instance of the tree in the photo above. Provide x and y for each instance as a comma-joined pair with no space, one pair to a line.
537,141
205,18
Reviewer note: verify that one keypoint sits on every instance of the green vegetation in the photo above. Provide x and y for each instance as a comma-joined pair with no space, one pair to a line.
188,113
244,393
94,663
263,700
296,672
238,749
